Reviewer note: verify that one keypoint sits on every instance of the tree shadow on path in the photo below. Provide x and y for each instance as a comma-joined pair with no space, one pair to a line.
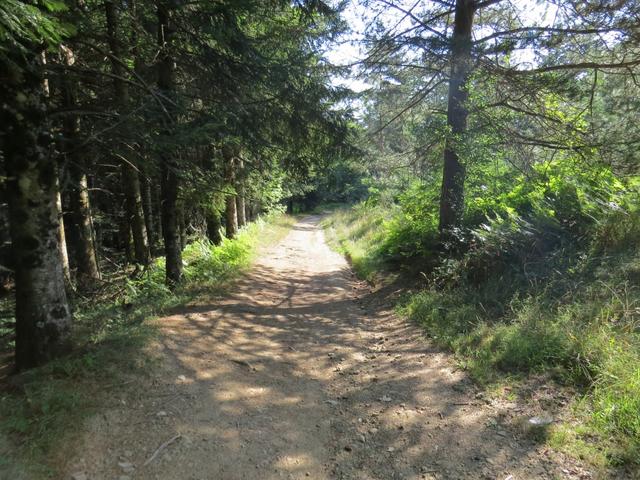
301,374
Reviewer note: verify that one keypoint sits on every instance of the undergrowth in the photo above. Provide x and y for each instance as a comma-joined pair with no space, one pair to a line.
356,233
546,293
42,406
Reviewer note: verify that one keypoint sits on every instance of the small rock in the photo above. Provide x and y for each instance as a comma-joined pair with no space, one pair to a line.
541,421
182,378
79,476
127,467
331,402
161,413
385,398
391,449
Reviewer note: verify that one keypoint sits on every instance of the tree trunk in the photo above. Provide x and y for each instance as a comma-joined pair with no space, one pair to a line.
453,175
124,234
169,181
79,203
80,226
240,211
170,227
231,211
255,209
147,207
231,218
6,258
129,174
248,205
240,200
182,225
156,192
62,240
43,317
213,226
149,193
135,213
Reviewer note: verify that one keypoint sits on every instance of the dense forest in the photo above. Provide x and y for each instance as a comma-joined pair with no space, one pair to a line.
130,128
483,154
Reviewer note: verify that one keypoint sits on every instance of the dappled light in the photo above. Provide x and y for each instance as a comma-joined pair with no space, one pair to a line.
326,239
317,381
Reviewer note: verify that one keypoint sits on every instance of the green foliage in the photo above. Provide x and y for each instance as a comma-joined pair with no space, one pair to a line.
536,296
411,233
206,262
342,181
539,276
24,24
357,233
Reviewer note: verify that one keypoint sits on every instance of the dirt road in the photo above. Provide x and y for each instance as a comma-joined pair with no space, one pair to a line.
303,373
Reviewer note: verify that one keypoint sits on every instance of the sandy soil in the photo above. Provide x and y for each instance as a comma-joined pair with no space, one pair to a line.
302,372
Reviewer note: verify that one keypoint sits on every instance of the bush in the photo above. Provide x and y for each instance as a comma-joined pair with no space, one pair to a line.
411,231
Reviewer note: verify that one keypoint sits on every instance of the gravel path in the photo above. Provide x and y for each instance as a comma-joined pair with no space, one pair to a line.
303,373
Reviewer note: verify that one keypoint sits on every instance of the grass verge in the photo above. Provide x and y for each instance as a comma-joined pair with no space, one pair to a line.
41,408
357,234
577,324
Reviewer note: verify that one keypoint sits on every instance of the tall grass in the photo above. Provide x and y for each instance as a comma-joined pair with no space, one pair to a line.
357,233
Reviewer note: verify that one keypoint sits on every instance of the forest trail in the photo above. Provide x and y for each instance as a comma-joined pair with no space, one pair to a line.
303,373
